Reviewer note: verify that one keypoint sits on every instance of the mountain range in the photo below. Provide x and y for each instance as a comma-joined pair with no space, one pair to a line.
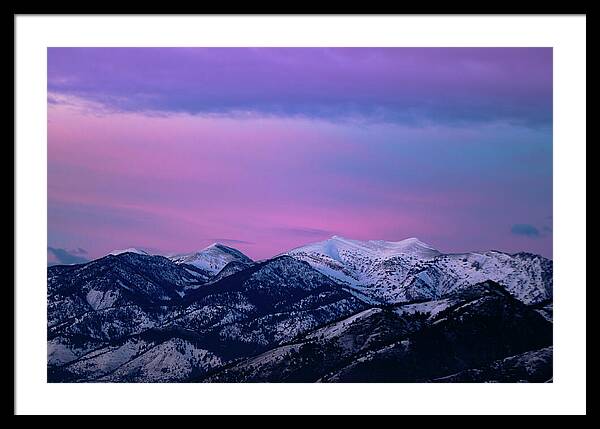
339,310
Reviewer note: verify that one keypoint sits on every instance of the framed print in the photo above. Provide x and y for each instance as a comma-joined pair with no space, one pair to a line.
311,214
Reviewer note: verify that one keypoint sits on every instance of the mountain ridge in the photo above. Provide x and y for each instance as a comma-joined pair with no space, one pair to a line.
410,269
135,317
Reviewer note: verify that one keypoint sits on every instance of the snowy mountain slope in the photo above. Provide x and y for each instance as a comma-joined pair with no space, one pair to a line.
359,263
527,277
408,270
403,342
243,313
170,361
532,366
482,325
229,269
113,281
320,351
143,359
109,299
212,259
265,304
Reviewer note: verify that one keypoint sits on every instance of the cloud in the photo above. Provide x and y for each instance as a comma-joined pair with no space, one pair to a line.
305,232
525,230
53,100
398,85
231,241
58,256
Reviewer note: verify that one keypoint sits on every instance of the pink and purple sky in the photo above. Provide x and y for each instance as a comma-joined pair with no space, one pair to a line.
266,149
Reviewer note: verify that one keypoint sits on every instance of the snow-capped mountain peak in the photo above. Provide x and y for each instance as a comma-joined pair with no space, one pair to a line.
129,250
373,248
211,258
409,269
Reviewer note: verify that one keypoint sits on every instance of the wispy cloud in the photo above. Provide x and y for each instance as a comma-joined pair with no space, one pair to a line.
231,241
305,232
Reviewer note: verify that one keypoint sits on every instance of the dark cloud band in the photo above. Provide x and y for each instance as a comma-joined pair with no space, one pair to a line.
400,85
